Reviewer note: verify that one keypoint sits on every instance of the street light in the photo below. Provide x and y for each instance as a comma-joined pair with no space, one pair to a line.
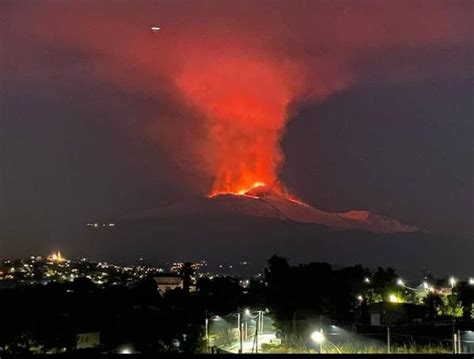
400,282
452,281
394,299
428,287
247,311
318,337
471,281
126,350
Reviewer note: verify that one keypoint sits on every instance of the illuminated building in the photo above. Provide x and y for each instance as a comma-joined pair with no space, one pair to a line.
56,257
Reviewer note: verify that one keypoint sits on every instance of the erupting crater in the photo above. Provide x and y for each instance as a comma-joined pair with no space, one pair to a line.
241,192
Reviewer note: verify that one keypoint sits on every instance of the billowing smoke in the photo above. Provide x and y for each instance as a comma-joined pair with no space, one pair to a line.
235,71
245,100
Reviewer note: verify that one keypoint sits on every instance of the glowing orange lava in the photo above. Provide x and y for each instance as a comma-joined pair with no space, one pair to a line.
244,101
240,192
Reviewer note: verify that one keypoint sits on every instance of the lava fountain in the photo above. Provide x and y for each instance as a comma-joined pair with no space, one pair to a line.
245,103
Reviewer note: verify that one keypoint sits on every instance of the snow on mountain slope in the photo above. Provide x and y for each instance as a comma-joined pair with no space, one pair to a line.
362,220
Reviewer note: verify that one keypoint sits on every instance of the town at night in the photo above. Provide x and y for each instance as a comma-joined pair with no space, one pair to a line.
309,308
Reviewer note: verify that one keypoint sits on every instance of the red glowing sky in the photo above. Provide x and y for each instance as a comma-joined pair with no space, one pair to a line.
240,68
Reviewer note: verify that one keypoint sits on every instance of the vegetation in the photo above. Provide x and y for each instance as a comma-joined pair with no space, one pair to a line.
48,318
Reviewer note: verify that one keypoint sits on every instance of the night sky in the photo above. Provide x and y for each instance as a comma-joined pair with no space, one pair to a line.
367,105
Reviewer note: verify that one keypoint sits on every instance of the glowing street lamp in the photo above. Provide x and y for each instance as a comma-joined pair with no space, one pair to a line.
400,282
247,312
367,280
471,281
126,350
318,337
394,299
452,281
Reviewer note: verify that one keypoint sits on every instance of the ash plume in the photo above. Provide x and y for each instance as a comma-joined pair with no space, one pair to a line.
233,73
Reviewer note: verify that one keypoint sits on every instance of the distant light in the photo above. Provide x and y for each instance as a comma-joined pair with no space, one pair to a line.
247,311
452,281
126,350
57,257
471,281
394,299
155,28
360,298
426,285
367,280
400,282
318,337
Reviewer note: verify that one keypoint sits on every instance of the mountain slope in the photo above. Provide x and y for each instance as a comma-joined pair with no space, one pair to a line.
262,202
229,229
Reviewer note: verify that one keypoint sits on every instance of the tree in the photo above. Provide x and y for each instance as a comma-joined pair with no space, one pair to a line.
465,292
434,303
187,272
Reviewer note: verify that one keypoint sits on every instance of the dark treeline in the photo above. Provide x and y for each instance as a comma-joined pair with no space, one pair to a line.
47,318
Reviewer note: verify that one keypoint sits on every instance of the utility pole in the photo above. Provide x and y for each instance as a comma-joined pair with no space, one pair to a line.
294,324
241,338
321,342
256,333
388,340
239,326
206,330
459,342
455,347
321,330
455,344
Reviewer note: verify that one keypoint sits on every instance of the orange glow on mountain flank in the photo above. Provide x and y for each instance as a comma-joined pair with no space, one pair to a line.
239,192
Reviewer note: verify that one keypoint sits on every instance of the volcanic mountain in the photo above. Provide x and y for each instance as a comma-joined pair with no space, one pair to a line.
253,225
268,203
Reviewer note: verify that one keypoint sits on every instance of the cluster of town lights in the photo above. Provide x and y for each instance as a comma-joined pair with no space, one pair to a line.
427,286
393,298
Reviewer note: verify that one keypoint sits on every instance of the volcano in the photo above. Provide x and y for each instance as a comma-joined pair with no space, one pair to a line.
251,226
266,202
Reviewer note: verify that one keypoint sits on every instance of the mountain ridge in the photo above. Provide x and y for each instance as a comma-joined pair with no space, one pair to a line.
264,202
